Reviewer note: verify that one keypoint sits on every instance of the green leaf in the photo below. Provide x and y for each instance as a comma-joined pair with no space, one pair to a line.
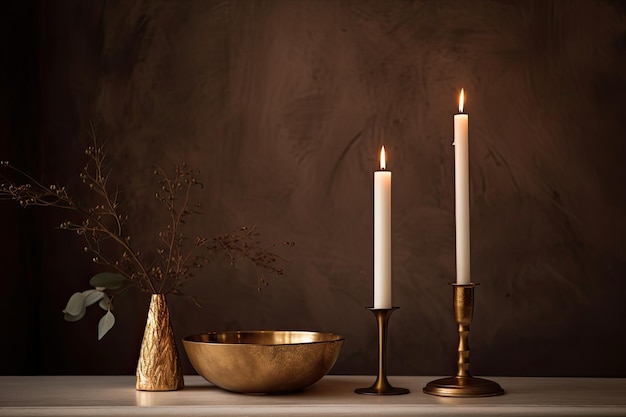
75,305
92,297
106,323
108,280
69,317
105,303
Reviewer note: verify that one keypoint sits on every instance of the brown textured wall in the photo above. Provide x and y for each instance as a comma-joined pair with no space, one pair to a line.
283,105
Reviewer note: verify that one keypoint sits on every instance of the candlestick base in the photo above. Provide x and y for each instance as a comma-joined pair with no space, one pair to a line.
381,386
463,384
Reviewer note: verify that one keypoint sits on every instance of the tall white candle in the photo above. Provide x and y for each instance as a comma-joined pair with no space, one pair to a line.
382,235
461,194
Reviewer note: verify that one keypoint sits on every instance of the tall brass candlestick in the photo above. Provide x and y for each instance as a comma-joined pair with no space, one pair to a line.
463,384
381,386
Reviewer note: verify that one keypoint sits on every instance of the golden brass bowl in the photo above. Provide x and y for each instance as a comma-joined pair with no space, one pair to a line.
263,361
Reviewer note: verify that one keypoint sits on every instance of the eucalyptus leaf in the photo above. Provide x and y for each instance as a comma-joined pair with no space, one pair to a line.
75,305
106,323
69,317
92,297
105,303
108,280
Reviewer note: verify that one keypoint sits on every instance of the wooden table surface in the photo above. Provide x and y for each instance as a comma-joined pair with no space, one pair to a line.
333,395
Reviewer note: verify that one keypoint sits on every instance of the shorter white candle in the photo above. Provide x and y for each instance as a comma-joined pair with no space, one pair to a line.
382,235
461,194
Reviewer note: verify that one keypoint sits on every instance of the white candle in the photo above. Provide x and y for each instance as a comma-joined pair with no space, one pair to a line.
382,235
461,194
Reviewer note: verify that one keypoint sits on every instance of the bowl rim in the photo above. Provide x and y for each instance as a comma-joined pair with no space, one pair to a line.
189,339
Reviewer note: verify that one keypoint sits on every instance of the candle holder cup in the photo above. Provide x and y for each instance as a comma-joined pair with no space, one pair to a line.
382,386
463,384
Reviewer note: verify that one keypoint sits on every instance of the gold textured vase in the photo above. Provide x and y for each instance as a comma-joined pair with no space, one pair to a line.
159,367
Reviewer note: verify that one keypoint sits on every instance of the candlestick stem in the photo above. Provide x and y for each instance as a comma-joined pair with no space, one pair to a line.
463,384
382,386
463,312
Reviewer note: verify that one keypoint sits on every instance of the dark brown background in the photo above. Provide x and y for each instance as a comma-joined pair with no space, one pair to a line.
283,105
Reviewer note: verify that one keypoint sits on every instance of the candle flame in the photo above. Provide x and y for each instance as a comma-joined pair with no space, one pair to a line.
383,159
461,101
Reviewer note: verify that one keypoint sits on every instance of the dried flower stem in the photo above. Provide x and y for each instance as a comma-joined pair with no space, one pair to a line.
176,255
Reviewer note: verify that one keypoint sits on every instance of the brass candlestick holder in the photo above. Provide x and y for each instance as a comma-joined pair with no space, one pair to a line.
381,385
463,384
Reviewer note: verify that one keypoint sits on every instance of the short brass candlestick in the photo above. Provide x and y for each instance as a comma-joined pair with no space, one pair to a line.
381,385
463,384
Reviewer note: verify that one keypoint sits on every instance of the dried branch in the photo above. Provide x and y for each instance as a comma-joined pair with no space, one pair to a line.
103,226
